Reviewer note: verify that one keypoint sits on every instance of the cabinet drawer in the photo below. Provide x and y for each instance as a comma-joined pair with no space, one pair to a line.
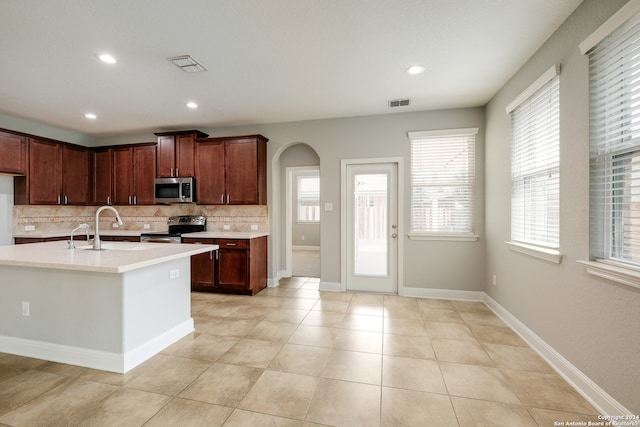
232,243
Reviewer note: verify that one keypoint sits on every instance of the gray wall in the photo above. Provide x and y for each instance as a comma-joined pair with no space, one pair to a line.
441,265
592,322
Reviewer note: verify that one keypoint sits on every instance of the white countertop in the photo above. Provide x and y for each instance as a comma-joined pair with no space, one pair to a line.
119,257
48,234
115,232
225,235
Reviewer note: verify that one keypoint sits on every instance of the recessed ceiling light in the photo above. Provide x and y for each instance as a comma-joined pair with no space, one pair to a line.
105,57
415,69
91,116
192,105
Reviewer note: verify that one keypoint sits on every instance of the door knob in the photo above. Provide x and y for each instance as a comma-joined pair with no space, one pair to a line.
394,235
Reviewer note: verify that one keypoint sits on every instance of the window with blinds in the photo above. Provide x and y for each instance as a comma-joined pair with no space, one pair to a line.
614,128
308,198
535,164
442,182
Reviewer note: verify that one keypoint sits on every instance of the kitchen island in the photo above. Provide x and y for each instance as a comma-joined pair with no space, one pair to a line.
109,310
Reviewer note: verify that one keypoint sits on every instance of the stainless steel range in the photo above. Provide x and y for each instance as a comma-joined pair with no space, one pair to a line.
178,225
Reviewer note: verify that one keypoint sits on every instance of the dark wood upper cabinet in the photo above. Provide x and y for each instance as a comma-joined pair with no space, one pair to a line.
102,186
134,169
144,173
123,176
232,170
13,153
210,189
75,175
45,172
176,153
58,175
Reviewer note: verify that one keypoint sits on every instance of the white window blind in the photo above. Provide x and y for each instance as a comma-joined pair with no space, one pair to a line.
442,182
309,198
535,164
614,95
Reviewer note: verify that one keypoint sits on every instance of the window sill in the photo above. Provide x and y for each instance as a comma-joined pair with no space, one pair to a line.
445,237
616,272
549,255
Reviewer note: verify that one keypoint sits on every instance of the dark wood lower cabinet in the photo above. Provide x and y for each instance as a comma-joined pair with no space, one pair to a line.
239,266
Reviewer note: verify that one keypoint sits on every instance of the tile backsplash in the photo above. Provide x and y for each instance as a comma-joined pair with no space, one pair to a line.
51,219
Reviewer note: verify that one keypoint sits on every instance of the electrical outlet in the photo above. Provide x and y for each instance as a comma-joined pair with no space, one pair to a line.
26,309
254,227
146,226
301,237
226,227
174,274
114,225
495,280
29,228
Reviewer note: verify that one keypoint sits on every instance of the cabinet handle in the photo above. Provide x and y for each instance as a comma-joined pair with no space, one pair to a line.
171,171
109,200
66,202
177,174
210,254
228,199
216,254
58,199
129,199
222,199
135,200
231,244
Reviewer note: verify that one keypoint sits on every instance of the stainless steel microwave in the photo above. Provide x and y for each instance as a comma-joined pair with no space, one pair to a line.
174,190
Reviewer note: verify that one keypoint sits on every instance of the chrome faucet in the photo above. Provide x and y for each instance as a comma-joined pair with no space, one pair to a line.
96,238
81,226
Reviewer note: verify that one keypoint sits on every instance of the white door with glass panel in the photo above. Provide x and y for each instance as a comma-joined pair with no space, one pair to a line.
371,227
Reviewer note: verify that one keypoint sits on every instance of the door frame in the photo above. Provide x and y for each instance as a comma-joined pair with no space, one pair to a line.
399,162
288,229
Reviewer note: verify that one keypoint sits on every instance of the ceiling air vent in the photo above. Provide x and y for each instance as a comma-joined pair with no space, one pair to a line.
187,64
399,103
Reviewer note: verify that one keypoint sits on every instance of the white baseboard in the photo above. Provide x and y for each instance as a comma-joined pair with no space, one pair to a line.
599,398
95,359
442,294
330,286
305,248
152,347
273,282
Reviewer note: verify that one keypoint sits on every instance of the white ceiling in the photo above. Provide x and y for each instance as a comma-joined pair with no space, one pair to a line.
267,60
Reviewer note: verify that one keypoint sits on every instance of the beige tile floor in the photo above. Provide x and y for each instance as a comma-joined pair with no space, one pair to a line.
294,356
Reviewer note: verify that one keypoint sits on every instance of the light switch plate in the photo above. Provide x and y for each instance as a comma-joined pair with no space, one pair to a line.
29,228
226,227
328,207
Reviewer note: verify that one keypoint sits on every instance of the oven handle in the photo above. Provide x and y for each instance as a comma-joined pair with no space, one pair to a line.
158,240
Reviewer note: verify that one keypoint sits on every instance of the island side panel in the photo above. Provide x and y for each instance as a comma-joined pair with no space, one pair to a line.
69,308
157,305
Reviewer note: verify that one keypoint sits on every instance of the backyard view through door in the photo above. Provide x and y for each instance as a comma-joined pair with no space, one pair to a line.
372,233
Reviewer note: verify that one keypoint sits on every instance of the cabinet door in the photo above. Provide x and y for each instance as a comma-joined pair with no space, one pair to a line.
166,156
241,171
202,267
13,153
75,175
102,169
185,155
233,266
144,173
210,173
122,175
45,172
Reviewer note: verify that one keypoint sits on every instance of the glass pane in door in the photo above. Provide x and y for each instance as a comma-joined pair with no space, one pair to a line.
371,224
